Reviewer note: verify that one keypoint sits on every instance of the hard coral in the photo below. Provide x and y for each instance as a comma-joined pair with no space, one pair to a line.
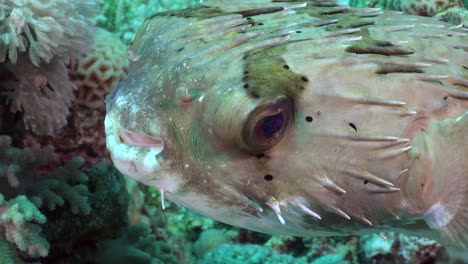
98,68
16,216
30,179
36,172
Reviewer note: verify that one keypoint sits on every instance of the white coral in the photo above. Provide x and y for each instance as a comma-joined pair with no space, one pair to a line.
43,94
37,38
43,28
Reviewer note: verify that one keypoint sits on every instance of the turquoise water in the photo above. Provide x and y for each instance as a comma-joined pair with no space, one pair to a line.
61,198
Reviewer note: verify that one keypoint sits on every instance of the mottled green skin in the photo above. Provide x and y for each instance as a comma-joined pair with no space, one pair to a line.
374,114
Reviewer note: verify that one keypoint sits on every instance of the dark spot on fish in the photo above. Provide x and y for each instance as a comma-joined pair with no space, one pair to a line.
246,86
298,31
385,68
362,24
255,95
320,4
304,79
445,97
309,119
268,177
366,181
180,49
374,49
422,184
172,15
260,11
334,11
260,155
246,72
286,67
353,126
319,113
260,24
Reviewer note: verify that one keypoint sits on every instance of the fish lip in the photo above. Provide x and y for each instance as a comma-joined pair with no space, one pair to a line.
140,140
131,155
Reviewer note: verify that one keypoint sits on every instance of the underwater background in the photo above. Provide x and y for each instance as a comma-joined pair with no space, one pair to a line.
61,199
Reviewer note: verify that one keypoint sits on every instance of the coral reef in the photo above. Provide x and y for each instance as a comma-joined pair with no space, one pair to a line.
136,245
43,95
452,11
428,7
108,201
45,34
28,184
16,217
43,29
248,253
98,68
61,199
124,17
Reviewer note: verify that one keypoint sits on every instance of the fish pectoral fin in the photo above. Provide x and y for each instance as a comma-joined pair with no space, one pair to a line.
447,143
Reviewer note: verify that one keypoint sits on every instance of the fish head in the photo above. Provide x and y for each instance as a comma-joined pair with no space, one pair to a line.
271,118
217,123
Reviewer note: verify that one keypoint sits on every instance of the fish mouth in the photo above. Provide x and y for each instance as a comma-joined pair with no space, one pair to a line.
135,155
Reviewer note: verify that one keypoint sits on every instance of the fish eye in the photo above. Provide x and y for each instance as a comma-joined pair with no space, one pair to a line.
267,124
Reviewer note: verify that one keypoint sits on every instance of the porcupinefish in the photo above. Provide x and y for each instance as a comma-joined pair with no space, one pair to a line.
306,118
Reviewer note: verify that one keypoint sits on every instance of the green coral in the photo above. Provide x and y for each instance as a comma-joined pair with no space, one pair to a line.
178,220
248,253
27,184
64,184
52,189
136,245
8,254
16,217
108,201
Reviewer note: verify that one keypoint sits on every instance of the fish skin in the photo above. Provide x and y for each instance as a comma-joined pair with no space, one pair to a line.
374,109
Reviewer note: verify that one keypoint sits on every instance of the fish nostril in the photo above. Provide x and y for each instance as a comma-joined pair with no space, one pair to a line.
138,140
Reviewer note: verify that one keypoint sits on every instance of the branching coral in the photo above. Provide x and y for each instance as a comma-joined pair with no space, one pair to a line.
8,253
135,245
16,219
36,175
52,188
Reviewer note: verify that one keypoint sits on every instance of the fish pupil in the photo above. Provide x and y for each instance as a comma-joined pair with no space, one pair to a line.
272,125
